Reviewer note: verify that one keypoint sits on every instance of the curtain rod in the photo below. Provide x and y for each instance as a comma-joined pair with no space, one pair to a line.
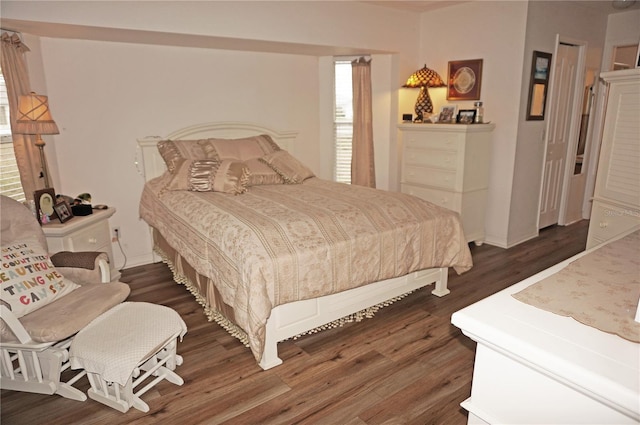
13,31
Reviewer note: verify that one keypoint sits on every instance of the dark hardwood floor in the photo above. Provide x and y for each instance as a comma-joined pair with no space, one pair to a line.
407,365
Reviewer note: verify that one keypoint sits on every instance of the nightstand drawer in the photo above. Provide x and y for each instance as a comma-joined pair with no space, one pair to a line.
91,238
445,179
447,159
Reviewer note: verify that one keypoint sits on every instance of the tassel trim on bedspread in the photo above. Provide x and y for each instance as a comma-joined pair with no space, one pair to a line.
212,314
237,332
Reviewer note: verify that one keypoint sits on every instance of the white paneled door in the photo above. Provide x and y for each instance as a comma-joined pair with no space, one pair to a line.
558,138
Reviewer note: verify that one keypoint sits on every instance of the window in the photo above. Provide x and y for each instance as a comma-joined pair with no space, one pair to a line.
10,184
342,120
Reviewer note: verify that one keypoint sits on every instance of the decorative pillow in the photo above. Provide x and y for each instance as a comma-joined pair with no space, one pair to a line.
244,148
28,278
208,175
287,166
249,150
261,173
175,152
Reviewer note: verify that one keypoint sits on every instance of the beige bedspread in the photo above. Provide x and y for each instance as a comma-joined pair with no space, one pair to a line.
600,289
281,243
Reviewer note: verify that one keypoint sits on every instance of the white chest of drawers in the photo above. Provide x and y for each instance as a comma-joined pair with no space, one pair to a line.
616,198
83,233
448,165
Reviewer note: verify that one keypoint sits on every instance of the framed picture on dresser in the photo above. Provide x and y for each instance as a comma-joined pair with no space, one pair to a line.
466,116
448,114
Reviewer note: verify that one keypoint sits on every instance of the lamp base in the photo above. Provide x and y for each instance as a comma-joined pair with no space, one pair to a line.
423,104
43,161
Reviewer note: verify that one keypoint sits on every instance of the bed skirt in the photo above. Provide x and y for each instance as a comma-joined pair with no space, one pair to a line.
216,310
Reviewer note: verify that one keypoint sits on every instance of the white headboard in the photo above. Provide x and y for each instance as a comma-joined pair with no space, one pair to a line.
153,165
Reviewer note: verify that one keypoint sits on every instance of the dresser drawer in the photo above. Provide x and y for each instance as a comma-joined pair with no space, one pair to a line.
447,159
91,238
609,221
433,140
442,198
445,179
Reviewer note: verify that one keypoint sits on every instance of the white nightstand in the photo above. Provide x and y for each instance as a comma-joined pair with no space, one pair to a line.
83,233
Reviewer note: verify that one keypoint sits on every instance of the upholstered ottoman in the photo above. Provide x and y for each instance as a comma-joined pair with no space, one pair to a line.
119,344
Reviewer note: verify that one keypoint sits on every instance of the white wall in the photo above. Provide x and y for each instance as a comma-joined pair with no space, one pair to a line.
105,94
546,20
504,35
495,32
112,76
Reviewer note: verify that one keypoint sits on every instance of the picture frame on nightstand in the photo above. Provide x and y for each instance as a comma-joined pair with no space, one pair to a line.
63,211
45,200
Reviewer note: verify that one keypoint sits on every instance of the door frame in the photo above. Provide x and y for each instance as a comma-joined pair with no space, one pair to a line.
574,129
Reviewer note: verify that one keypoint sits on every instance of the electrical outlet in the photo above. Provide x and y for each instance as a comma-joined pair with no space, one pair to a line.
116,234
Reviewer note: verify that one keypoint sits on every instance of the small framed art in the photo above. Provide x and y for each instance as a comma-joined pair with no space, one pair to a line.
465,80
447,114
63,211
538,85
466,116
45,199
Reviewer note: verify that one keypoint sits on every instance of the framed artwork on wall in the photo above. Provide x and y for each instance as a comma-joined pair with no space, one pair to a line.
540,70
464,80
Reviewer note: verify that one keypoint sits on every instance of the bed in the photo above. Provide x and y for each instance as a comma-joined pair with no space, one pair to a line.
562,346
273,259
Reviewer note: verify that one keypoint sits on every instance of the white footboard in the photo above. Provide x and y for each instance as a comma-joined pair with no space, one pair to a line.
289,320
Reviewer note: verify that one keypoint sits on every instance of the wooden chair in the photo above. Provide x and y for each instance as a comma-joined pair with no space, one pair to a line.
34,346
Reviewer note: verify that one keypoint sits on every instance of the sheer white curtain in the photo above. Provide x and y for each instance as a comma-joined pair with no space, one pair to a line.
16,76
363,171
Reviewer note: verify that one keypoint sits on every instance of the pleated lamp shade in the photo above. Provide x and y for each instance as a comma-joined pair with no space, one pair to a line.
424,78
34,116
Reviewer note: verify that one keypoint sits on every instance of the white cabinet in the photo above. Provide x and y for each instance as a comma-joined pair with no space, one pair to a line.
448,165
83,233
536,367
616,199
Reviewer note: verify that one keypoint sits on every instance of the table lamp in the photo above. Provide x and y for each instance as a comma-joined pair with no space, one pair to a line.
424,78
34,117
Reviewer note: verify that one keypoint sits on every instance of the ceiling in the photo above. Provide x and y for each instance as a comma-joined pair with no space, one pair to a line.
415,5
45,29
605,6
